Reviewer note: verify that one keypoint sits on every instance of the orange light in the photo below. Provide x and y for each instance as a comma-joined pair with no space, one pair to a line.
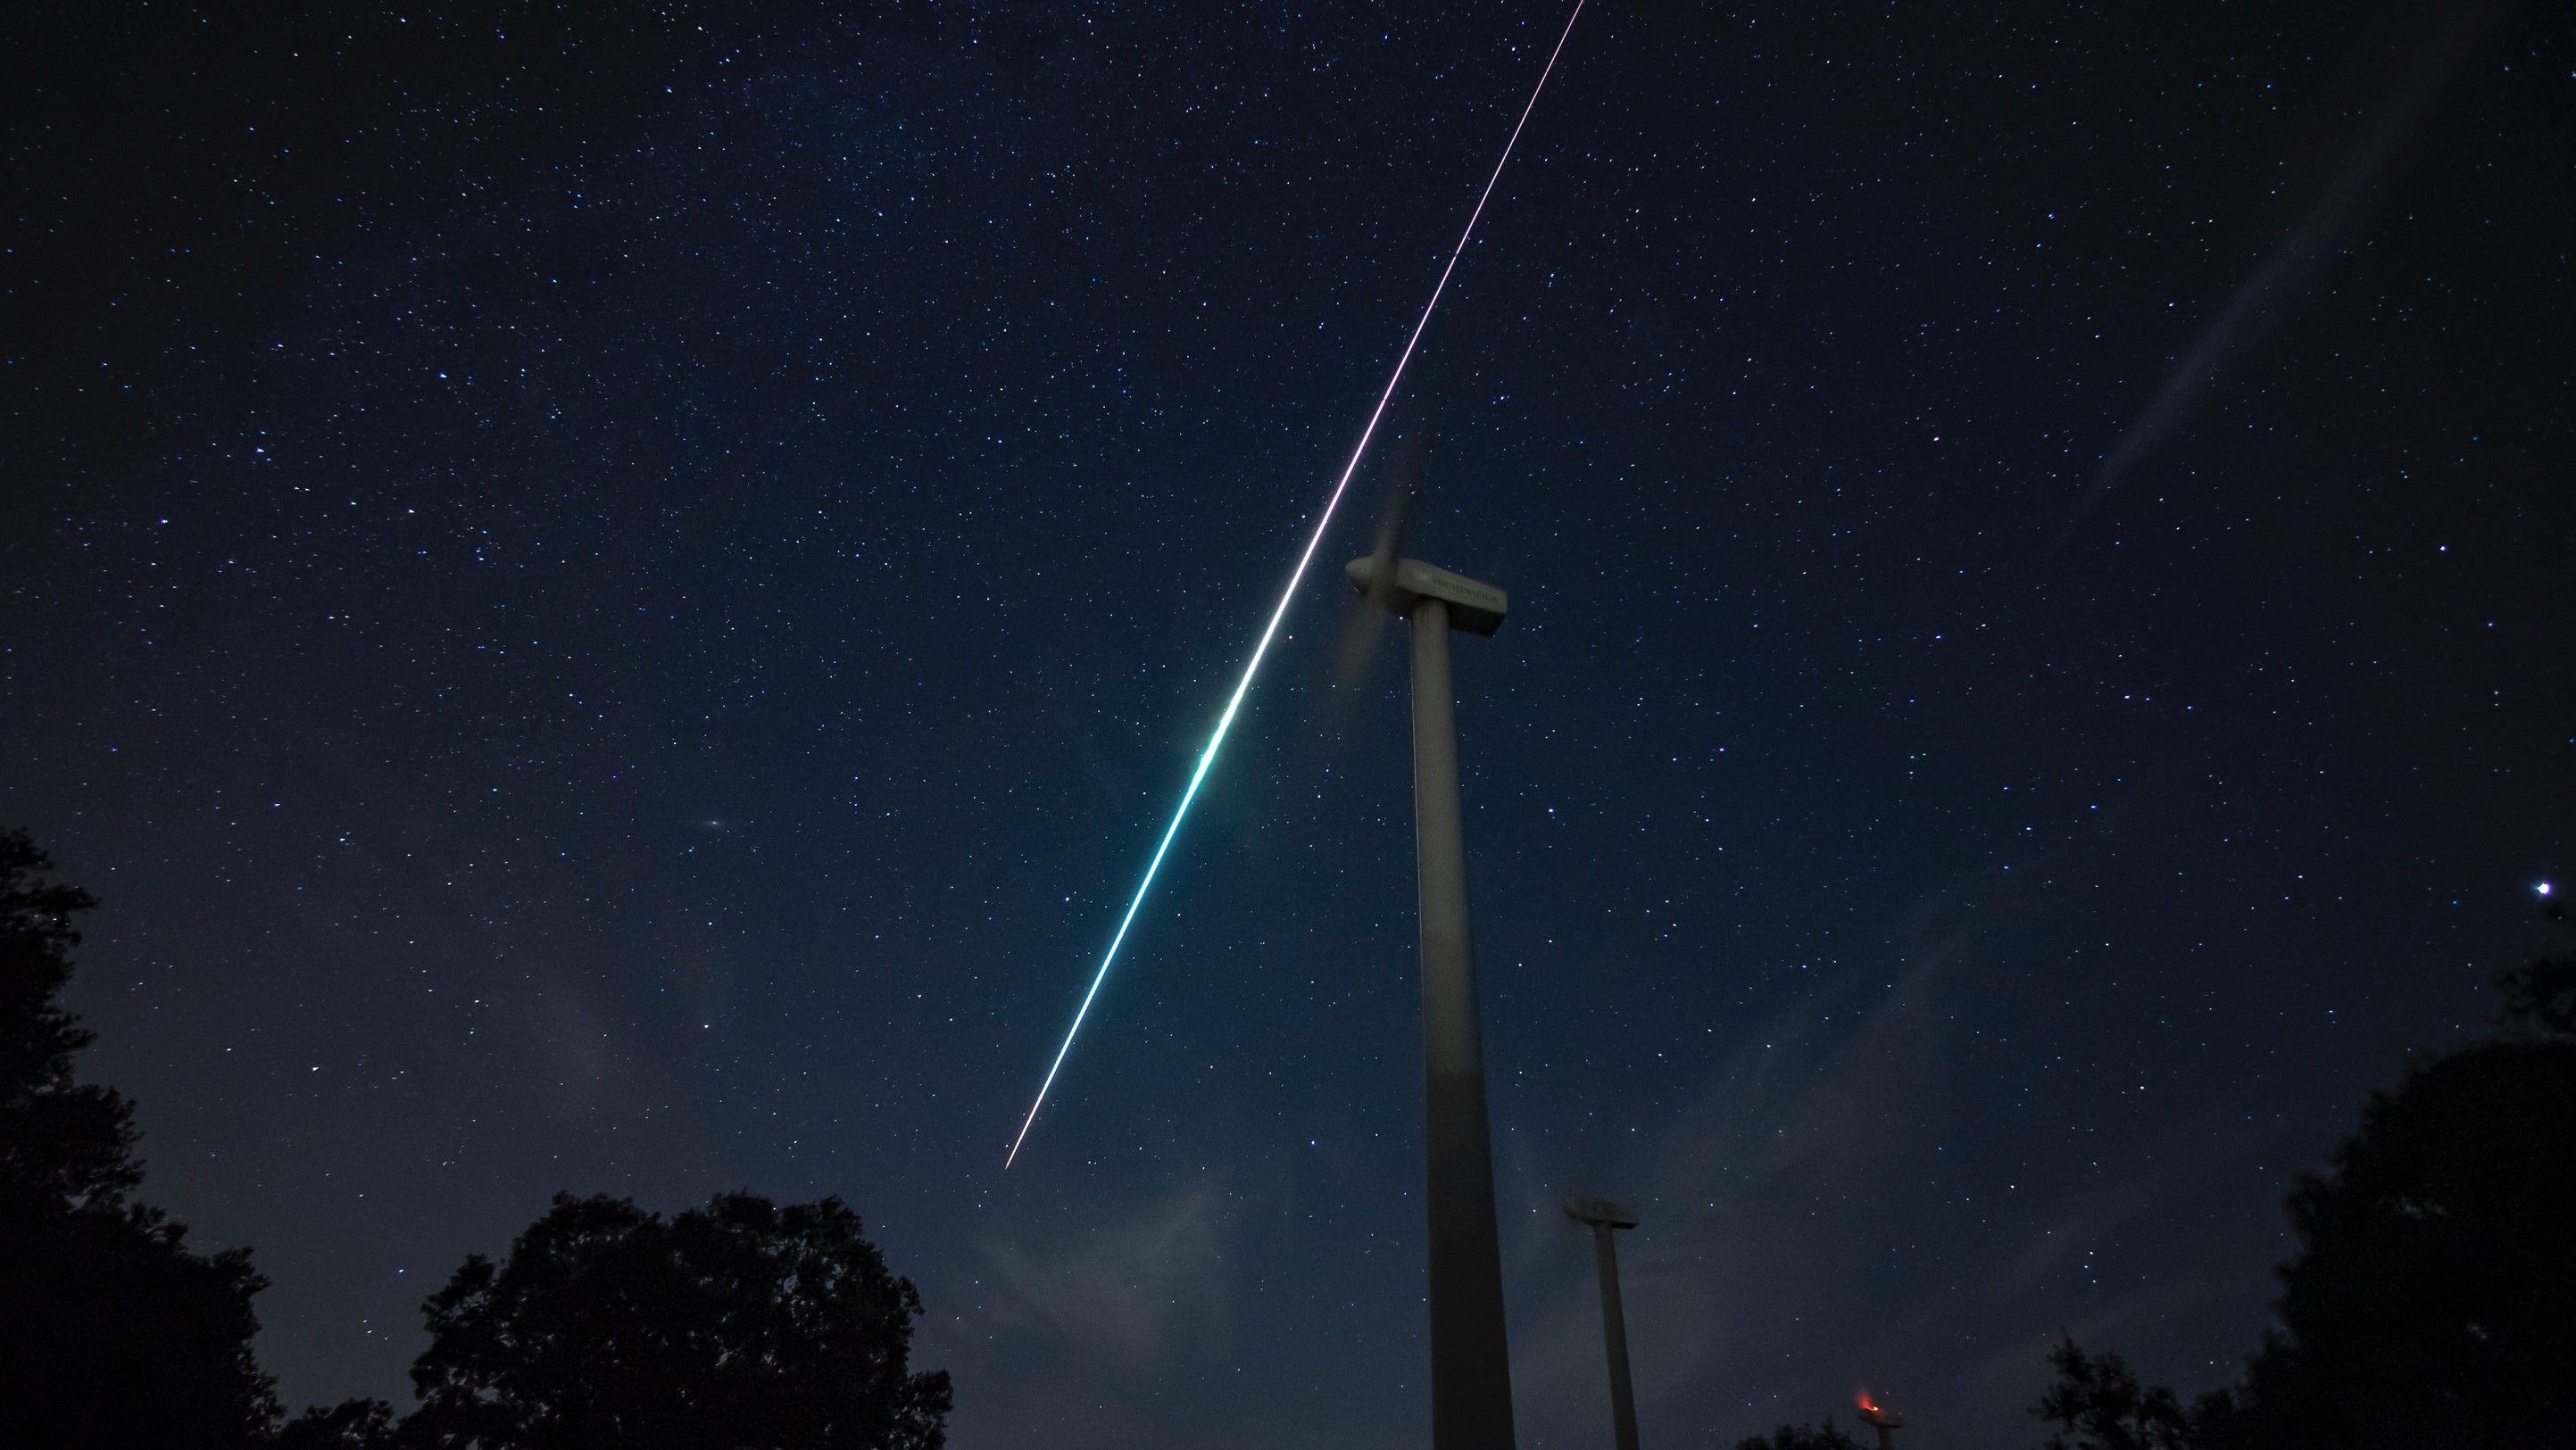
1866,1402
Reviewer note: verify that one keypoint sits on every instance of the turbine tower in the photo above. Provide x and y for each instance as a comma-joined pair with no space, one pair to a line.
1471,1375
1605,1220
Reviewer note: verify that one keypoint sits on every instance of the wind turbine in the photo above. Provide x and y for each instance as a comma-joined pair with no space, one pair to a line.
1471,1374
1605,1220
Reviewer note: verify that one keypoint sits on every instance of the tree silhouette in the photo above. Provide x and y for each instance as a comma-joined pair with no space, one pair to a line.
348,1425
2101,1405
739,1324
1828,1436
111,1332
60,1142
2425,1308
2428,1306
2540,998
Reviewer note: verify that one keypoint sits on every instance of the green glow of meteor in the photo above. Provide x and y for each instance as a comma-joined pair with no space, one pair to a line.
1270,632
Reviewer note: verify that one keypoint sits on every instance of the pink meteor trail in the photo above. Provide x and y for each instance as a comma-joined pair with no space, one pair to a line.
1270,631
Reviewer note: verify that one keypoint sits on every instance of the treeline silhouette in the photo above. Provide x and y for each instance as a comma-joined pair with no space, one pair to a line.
2424,1309
2426,1306
741,1324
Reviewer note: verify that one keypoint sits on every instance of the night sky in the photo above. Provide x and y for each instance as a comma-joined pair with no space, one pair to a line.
615,604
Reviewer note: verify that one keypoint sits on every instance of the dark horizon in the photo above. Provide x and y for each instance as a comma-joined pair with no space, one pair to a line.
613,604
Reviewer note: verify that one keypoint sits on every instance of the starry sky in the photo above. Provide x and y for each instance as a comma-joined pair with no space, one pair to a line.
614,602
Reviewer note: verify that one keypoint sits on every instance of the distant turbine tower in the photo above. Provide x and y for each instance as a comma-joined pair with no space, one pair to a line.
1605,1220
1471,1370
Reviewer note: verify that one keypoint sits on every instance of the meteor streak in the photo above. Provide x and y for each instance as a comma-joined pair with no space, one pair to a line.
1270,631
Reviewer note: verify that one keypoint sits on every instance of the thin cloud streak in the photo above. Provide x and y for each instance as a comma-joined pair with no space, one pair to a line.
2259,303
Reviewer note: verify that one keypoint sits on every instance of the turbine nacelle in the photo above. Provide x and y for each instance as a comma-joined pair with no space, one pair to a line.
1399,583
1885,1419
1597,1211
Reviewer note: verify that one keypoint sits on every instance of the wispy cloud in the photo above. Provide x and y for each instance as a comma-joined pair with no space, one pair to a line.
2441,40
1127,1289
1773,1195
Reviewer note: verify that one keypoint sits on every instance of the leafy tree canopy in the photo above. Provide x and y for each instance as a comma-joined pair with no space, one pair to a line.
1828,1436
2427,1305
2099,1405
739,1324
60,1141
348,1425
111,1332
2425,1308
